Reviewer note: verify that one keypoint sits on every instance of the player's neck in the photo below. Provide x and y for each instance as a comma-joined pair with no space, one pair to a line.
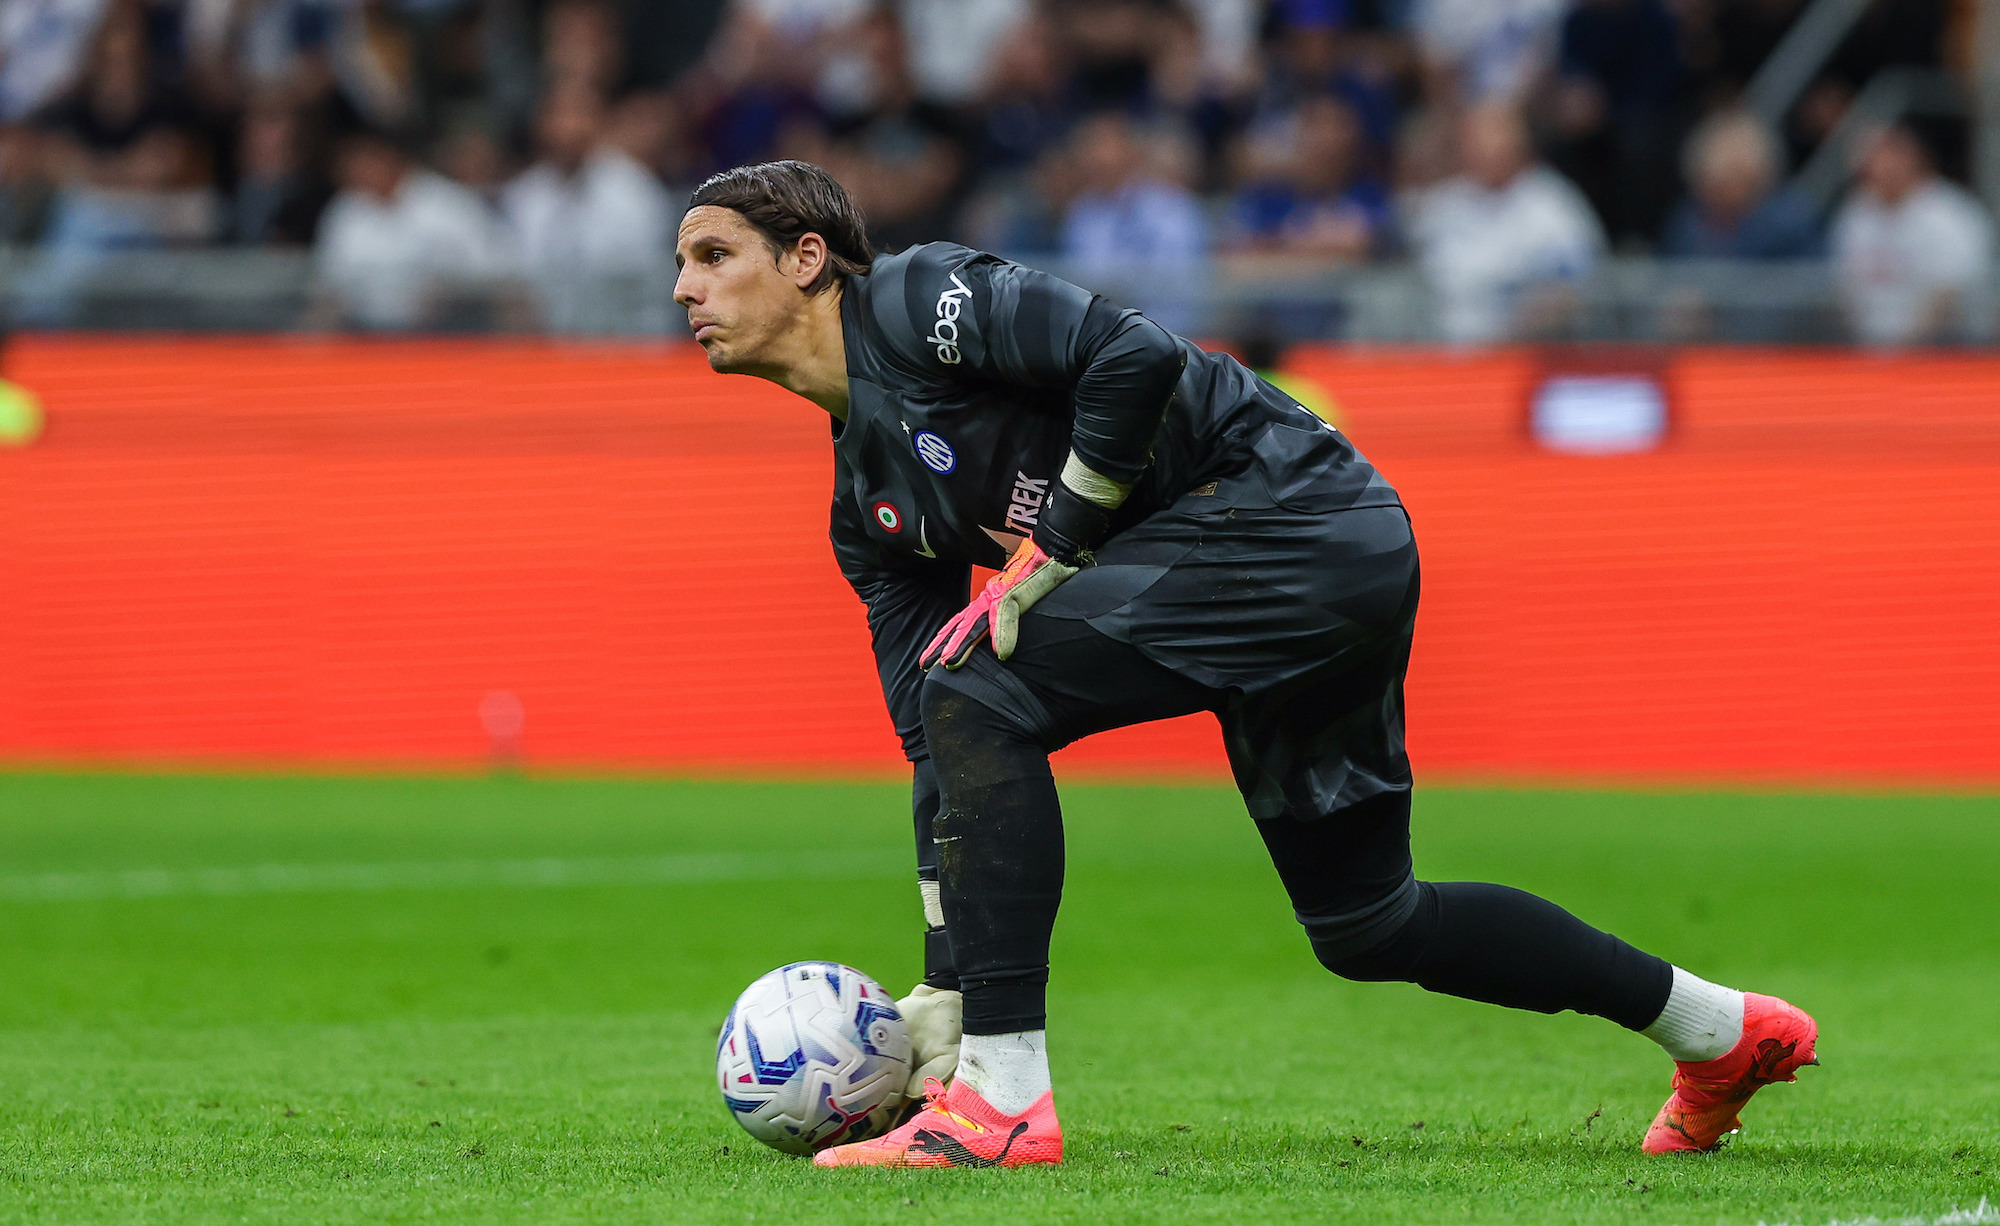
815,362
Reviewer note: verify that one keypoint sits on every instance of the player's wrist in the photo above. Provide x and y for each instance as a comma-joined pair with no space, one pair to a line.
1071,527
1080,478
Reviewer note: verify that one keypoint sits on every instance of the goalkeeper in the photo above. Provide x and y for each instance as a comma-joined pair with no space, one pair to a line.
1173,535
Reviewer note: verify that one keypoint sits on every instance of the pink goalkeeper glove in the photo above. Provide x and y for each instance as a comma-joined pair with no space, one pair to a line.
1030,575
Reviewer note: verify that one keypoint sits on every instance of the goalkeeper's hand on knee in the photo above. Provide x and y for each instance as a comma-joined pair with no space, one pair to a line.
1075,520
1030,575
932,1016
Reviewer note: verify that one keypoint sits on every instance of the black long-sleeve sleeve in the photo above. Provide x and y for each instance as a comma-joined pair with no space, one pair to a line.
908,599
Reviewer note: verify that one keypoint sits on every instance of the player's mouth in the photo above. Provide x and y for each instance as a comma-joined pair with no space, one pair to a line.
703,329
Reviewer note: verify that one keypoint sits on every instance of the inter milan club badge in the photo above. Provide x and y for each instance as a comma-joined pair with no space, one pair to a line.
886,516
936,454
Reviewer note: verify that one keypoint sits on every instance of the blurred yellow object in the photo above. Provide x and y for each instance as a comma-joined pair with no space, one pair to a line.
20,415
1307,391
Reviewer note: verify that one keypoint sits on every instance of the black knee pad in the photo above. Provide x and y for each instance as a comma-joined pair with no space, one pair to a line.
1381,941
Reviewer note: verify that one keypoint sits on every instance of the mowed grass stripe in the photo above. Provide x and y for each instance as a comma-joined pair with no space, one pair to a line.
544,873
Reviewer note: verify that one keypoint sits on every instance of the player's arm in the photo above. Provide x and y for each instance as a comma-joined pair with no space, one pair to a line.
994,320
1033,329
907,600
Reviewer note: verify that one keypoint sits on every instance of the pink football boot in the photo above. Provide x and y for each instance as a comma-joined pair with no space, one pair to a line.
959,1128
1777,1041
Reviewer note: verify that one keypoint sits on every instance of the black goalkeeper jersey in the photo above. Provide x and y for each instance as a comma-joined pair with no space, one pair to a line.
970,380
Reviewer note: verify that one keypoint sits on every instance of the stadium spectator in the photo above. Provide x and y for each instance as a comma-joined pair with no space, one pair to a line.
279,191
1735,209
651,126
399,240
1913,251
582,47
25,190
1024,112
1616,106
132,172
1129,211
1132,224
590,219
468,155
980,120
1304,189
1501,241
1426,151
1314,54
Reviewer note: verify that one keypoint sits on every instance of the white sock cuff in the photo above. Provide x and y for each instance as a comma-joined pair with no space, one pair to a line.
1010,1071
1009,1046
1701,1021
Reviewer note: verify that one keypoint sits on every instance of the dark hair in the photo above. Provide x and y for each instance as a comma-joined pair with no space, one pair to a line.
785,201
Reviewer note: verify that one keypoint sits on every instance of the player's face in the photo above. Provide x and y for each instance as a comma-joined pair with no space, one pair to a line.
739,297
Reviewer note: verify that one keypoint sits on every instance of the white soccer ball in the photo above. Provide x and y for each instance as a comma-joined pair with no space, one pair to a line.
814,1054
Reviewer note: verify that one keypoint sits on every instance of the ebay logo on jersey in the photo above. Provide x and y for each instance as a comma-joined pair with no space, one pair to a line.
944,333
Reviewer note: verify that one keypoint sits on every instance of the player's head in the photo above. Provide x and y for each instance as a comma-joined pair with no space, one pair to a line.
758,246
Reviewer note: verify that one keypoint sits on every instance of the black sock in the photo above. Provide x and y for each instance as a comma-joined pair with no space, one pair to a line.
1508,947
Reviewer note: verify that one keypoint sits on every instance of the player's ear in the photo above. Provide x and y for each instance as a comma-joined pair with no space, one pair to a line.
809,259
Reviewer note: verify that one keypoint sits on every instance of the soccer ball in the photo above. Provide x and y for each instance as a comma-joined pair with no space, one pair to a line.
814,1054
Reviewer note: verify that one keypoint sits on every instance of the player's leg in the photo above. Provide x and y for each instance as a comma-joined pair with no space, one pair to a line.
990,728
1321,763
1368,918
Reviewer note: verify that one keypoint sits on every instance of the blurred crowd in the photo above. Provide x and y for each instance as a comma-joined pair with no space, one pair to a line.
1503,146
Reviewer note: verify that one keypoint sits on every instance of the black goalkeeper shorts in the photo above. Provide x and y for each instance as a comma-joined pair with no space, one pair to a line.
1287,617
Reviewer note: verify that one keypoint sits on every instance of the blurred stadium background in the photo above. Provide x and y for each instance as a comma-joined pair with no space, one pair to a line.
381,562
1746,171
1542,258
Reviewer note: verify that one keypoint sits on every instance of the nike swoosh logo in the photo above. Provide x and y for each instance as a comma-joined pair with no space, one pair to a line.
923,536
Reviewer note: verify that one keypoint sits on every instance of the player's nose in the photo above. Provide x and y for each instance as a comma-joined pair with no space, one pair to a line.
685,290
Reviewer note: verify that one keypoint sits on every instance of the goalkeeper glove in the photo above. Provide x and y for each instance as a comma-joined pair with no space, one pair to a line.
1030,575
1075,520
932,1016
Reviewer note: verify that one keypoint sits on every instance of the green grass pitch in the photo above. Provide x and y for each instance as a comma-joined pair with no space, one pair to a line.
272,999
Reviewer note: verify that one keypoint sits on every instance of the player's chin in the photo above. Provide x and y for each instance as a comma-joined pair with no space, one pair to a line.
718,356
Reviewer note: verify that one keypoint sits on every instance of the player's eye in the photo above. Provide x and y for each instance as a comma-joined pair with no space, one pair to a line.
714,255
